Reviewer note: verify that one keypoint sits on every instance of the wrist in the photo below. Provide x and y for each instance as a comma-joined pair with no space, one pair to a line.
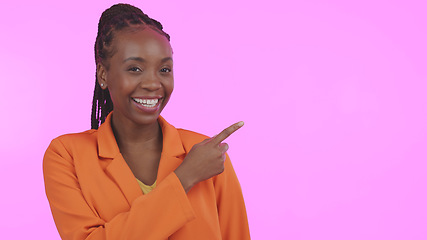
186,180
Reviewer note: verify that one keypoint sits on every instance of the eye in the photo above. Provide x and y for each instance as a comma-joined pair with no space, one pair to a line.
165,70
135,69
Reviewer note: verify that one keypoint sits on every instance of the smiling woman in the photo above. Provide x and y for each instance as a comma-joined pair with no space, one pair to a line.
133,175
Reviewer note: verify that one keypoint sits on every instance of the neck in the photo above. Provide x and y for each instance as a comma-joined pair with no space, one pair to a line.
130,136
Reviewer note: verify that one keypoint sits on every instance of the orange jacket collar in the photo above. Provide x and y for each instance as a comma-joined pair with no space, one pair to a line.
108,148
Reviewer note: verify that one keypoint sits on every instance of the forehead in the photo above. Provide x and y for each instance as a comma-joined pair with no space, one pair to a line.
141,41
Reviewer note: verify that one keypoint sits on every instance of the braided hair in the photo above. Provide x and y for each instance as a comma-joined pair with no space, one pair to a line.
115,18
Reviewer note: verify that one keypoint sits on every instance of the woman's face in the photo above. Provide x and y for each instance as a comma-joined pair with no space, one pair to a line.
140,76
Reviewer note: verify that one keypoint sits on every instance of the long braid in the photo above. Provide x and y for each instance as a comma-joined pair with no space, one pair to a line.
116,18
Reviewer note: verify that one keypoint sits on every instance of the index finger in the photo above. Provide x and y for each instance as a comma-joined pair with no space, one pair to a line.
226,132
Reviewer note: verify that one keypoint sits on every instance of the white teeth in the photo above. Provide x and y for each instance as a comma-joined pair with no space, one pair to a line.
152,101
147,102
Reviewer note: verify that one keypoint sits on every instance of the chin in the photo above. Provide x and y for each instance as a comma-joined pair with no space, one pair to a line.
146,119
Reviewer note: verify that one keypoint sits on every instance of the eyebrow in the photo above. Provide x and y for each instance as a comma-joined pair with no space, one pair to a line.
139,59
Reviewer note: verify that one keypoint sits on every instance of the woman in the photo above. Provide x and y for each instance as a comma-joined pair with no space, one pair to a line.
133,175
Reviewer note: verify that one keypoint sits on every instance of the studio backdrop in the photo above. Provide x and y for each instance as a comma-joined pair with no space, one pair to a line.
333,95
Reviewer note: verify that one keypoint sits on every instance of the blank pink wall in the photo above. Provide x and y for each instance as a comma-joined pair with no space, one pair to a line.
333,94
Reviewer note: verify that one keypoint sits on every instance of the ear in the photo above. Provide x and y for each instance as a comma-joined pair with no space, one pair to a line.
101,74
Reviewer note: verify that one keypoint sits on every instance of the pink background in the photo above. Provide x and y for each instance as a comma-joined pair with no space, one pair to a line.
333,94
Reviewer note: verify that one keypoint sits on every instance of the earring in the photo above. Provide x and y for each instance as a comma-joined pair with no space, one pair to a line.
102,84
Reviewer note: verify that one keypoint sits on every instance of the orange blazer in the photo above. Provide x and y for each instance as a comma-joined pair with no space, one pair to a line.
94,195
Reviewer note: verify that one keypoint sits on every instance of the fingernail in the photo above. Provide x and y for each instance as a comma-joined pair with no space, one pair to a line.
240,123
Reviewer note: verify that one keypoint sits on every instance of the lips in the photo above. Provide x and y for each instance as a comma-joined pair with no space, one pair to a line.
148,104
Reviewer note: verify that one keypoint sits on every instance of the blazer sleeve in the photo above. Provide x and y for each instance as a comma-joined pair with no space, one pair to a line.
231,206
153,216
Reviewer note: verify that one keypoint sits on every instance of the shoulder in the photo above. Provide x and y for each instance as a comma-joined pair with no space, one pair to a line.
75,140
70,150
190,138
81,136
191,134
187,135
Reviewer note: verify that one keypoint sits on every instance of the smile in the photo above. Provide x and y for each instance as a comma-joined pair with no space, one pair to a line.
149,103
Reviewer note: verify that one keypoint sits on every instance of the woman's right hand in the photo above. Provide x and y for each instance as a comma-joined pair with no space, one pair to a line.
205,159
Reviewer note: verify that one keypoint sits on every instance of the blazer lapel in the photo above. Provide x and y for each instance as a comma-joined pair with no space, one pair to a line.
172,153
120,173
117,169
167,165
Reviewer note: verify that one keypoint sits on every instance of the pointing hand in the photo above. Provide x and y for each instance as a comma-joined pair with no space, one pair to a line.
205,159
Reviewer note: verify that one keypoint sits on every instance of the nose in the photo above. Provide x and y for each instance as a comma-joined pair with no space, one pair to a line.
151,82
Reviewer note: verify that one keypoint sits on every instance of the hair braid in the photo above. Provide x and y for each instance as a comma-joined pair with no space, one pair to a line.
115,18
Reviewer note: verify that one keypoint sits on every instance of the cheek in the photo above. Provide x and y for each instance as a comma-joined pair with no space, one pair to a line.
168,88
171,87
120,83
115,96
118,89
168,85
